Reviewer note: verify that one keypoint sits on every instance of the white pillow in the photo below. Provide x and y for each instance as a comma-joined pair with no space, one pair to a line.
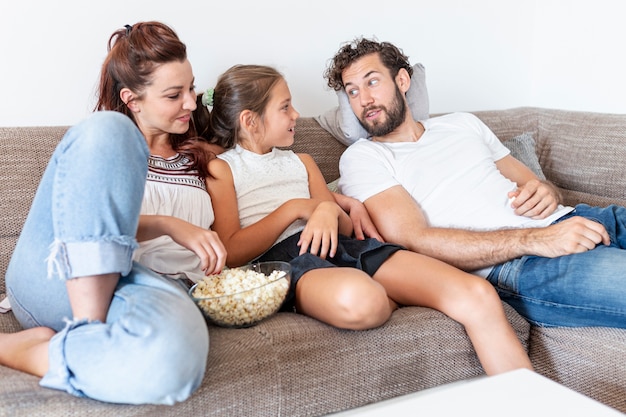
342,123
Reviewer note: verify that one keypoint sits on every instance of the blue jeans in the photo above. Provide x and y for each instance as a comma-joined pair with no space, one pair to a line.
584,289
83,220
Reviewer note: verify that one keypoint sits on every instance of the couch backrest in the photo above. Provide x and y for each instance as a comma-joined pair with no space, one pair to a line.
321,145
582,153
25,153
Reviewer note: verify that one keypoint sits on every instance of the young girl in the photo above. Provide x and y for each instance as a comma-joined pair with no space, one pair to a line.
273,204
96,323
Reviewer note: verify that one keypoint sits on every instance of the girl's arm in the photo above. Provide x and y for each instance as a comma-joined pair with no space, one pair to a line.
319,191
320,235
243,245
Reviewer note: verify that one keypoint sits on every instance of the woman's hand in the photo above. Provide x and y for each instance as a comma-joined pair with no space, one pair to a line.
205,243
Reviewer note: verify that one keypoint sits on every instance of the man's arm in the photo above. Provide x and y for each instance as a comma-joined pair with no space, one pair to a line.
400,220
534,198
362,224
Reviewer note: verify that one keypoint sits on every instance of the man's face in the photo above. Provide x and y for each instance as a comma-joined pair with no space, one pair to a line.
374,96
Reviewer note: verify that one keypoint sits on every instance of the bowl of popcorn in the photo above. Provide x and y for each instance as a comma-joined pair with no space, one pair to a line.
243,296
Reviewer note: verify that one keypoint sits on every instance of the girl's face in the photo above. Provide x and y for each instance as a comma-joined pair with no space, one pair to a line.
167,103
279,121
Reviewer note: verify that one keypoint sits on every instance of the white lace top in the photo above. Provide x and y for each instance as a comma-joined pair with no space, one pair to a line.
264,182
173,191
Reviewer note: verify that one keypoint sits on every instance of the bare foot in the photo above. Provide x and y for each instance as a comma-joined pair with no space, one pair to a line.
26,350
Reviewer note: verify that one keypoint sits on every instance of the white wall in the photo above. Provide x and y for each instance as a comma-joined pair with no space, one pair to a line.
484,54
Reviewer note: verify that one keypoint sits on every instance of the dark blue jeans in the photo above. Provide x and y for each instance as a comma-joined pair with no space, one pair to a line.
583,289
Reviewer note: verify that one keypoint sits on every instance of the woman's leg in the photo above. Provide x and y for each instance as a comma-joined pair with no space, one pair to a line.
83,219
27,350
152,349
343,297
413,279
154,343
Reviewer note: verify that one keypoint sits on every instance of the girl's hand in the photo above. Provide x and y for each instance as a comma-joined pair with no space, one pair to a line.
320,235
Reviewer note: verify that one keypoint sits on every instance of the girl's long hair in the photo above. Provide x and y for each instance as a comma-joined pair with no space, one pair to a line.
241,87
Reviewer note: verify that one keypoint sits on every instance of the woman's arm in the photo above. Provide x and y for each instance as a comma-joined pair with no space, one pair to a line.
205,243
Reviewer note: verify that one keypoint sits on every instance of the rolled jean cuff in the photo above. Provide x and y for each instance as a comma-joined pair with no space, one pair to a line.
79,259
58,375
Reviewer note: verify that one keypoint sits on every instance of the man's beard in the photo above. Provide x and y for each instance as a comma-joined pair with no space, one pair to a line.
395,117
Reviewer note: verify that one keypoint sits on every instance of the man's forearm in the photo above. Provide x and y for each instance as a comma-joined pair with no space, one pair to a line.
470,250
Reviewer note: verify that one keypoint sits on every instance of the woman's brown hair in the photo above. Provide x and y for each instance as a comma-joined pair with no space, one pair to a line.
134,53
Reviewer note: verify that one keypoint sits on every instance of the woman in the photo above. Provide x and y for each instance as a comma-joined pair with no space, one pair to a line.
96,323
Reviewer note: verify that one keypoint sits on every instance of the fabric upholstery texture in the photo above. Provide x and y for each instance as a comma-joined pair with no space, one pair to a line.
291,365
522,148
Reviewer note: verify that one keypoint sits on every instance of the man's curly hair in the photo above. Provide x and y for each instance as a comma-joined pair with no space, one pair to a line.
391,56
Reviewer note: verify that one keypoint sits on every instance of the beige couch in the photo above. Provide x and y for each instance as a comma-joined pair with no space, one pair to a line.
291,365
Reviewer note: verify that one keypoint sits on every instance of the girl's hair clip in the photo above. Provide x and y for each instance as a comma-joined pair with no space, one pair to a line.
128,29
207,97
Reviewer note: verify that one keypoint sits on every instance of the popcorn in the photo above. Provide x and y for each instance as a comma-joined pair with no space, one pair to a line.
240,297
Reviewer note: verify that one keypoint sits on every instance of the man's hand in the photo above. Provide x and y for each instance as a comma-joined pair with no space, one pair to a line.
535,199
574,235
362,223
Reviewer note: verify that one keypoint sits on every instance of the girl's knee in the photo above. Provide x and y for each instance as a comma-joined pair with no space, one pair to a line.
365,307
481,299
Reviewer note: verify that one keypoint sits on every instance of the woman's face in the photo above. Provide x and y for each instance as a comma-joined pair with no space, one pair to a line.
167,103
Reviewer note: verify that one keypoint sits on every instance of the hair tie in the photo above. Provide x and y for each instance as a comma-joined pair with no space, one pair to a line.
207,97
128,29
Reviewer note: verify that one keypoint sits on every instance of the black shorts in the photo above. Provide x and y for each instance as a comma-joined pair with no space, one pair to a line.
367,255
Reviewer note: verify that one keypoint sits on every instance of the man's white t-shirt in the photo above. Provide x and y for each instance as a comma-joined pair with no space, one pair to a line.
450,172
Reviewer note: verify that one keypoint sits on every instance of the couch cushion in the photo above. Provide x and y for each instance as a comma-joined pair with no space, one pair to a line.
293,365
584,152
320,144
589,360
522,148
25,153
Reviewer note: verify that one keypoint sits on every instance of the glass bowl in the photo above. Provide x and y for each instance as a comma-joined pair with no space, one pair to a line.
243,296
